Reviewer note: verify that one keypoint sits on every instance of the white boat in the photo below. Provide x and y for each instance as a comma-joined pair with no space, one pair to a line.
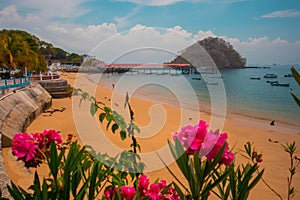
211,83
270,76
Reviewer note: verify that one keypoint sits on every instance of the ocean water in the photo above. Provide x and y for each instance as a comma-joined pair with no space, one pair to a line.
239,93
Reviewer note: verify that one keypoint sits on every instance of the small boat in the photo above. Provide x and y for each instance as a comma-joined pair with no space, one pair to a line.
211,83
288,75
270,76
272,81
196,78
255,78
281,84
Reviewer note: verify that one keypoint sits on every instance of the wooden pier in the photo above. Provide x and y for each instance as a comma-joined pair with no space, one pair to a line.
159,69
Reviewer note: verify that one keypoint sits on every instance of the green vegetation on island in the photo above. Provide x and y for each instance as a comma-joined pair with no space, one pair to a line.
203,52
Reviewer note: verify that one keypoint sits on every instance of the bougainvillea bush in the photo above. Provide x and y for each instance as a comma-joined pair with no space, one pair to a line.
207,143
31,148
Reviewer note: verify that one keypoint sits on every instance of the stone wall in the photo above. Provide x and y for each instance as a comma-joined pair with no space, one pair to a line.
20,108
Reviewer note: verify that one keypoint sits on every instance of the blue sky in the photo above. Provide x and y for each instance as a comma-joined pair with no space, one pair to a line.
263,31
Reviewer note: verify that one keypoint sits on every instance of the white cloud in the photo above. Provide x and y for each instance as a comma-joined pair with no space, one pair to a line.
57,28
10,11
10,18
54,8
124,21
141,43
265,51
282,14
170,2
153,2
203,34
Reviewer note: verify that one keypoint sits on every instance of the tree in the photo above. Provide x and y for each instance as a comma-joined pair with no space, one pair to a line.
20,50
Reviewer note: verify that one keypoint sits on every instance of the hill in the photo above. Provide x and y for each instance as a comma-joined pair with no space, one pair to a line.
209,50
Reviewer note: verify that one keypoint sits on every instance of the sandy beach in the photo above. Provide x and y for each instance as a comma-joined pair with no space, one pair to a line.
154,136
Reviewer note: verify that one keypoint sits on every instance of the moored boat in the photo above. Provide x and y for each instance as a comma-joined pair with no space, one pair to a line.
211,83
270,76
281,84
272,81
255,78
288,75
195,78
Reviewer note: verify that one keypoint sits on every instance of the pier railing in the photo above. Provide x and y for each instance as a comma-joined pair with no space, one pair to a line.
14,82
44,77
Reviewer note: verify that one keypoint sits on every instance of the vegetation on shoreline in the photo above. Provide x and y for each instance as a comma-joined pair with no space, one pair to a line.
21,50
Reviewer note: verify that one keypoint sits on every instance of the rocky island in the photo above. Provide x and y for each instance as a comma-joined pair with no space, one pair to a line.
210,50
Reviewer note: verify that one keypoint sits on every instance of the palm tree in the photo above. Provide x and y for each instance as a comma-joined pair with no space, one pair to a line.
20,50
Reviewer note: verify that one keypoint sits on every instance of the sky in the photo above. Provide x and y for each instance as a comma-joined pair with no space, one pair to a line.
263,31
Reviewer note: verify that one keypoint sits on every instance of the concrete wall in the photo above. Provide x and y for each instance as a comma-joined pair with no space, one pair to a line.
18,109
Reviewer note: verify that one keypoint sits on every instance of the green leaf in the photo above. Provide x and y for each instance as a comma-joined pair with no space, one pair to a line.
255,181
181,158
107,109
81,193
166,189
109,117
14,191
101,117
296,75
114,127
174,176
92,186
76,179
134,126
36,186
178,190
296,99
93,109
44,190
53,162
123,134
232,182
216,182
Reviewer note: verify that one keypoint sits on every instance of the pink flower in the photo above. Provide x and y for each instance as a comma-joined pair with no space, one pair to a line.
70,136
191,137
23,146
162,184
109,193
207,143
30,147
154,192
52,135
217,145
128,193
143,182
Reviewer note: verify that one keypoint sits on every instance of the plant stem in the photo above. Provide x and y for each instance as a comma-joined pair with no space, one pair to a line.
291,176
274,191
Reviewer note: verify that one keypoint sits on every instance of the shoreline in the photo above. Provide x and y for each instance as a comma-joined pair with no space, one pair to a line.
202,108
240,130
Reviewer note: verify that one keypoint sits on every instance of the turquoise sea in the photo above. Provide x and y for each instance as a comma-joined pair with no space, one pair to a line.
245,96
